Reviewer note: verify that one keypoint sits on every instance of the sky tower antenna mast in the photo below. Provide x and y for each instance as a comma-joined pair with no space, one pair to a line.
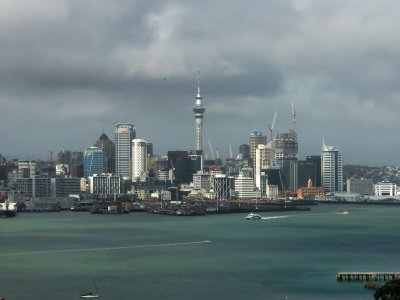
294,117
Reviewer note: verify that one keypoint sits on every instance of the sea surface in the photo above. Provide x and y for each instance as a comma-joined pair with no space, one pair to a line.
286,255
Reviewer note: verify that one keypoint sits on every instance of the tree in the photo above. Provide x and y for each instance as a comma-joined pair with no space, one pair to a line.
389,291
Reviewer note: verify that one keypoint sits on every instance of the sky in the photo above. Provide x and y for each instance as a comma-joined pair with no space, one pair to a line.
71,69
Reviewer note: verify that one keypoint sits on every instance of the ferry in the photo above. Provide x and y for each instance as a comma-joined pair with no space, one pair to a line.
7,208
253,216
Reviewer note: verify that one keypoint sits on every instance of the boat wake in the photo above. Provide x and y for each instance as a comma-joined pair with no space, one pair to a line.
276,217
105,248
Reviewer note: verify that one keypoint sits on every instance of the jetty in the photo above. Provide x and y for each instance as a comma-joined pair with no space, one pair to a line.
367,276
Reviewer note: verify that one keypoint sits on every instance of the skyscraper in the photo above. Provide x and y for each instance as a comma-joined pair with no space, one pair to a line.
108,152
124,134
256,138
244,150
198,110
286,152
332,169
93,161
139,159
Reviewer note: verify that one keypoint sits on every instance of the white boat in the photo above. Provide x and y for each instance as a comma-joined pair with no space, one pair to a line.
91,295
253,216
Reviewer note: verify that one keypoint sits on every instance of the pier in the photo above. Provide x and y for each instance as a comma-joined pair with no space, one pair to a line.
367,276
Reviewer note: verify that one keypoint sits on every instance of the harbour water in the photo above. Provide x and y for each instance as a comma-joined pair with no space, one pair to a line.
293,255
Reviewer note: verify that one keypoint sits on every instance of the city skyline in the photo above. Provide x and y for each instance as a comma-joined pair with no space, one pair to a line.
337,62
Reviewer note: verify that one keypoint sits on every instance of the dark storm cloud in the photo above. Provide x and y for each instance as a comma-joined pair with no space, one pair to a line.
78,67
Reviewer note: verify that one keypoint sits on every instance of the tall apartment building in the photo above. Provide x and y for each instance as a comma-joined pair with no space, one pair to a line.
93,161
256,138
124,134
264,159
332,169
139,159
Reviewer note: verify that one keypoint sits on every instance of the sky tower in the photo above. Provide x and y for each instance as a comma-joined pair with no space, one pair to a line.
198,115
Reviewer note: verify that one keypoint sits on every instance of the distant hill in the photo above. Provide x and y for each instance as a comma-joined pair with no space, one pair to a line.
391,174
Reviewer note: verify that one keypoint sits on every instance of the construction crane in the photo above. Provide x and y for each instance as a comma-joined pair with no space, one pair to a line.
212,151
293,117
271,127
230,150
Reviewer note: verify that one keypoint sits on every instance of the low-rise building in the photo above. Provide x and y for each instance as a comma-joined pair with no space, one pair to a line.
385,188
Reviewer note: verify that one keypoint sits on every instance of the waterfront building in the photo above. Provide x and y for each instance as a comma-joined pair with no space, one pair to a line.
202,181
244,187
63,187
256,138
139,159
34,187
264,159
198,110
223,187
361,186
108,147
385,188
106,185
124,134
270,181
310,191
93,161
332,169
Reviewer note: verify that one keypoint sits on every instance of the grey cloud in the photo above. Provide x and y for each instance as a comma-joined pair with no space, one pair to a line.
78,67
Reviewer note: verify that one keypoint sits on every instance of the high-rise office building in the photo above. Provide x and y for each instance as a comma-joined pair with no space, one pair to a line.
93,161
108,152
332,169
124,134
198,110
244,150
139,159
256,138
309,169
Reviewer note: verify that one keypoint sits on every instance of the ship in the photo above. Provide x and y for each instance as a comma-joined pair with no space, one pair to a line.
8,208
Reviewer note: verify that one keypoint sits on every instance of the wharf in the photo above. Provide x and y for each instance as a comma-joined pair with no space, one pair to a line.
367,276
372,285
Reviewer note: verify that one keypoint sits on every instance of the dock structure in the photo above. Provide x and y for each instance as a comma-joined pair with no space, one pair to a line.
367,276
